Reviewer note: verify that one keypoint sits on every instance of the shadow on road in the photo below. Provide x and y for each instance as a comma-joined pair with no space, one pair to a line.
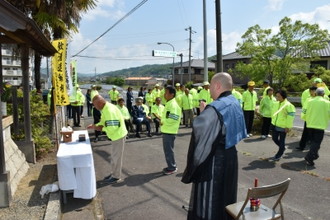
259,164
297,166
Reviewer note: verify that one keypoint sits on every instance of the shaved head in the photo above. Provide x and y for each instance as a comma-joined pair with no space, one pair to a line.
220,83
99,102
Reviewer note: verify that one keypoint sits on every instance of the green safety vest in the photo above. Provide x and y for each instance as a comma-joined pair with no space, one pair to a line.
238,96
187,102
195,96
114,95
149,98
249,100
283,114
124,111
317,113
266,106
157,109
155,94
112,122
171,117
205,94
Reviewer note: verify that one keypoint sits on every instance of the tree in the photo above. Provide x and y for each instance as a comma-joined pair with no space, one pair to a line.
54,17
274,57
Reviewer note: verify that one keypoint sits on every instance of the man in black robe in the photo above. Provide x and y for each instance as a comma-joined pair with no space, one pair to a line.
212,164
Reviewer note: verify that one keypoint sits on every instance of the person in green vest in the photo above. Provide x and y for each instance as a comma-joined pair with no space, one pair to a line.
170,122
76,107
195,96
155,93
317,116
113,124
204,94
283,114
238,96
156,113
81,102
187,107
266,106
149,98
127,117
162,92
114,95
249,106
304,139
265,86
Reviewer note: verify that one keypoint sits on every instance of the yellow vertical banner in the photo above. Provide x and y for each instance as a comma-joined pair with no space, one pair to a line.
59,73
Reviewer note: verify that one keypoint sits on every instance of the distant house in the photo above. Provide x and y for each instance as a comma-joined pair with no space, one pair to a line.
138,81
197,71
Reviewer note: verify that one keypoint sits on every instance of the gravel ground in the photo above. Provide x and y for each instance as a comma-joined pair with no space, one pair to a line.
27,202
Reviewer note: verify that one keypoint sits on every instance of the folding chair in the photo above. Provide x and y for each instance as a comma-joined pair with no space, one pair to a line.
240,210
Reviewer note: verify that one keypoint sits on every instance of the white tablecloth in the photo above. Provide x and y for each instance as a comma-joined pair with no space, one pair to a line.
75,167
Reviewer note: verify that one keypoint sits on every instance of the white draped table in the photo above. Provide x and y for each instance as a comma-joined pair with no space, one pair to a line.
75,167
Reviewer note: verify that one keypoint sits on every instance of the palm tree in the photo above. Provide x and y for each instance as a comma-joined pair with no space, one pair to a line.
58,18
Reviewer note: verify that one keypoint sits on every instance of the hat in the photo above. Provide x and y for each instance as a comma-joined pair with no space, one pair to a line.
199,88
93,86
139,99
266,81
251,83
114,87
317,80
320,91
157,85
206,83
177,84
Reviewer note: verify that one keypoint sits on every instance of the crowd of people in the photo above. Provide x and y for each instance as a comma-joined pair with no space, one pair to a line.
219,116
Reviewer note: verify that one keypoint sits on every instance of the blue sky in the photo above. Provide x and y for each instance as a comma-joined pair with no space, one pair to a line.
131,42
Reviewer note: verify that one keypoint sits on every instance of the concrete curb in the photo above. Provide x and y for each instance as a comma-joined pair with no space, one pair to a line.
53,210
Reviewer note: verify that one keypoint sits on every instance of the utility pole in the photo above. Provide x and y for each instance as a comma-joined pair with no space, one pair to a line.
206,70
190,33
219,37
181,73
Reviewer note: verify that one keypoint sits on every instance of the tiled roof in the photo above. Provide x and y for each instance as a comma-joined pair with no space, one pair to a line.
138,78
234,56
195,63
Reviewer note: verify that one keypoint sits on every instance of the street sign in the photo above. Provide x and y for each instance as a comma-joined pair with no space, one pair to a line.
164,53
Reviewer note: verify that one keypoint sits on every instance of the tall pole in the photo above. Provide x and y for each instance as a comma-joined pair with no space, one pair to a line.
189,62
173,59
181,74
206,75
219,37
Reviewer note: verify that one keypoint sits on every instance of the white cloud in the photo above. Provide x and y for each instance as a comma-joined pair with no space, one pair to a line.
319,16
275,5
112,9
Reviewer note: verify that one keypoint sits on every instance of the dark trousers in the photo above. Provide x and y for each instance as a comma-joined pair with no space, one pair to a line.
76,115
304,137
96,117
129,125
316,137
279,139
248,117
157,123
81,109
69,111
266,122
139,123
89,109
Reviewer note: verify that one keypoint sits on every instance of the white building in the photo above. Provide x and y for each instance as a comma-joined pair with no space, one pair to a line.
11,66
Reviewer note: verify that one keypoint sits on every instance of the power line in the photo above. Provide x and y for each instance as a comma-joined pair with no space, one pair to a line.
120,20
121,58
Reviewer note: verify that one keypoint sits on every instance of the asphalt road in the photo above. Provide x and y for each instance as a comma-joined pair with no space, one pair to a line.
147,194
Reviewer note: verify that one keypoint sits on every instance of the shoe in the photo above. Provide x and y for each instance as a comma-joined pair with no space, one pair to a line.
274,159
149,135
269,136
169,172
251,135
247,136
138,136
96,139
82,116
309,162
111,180
107,177
263,137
